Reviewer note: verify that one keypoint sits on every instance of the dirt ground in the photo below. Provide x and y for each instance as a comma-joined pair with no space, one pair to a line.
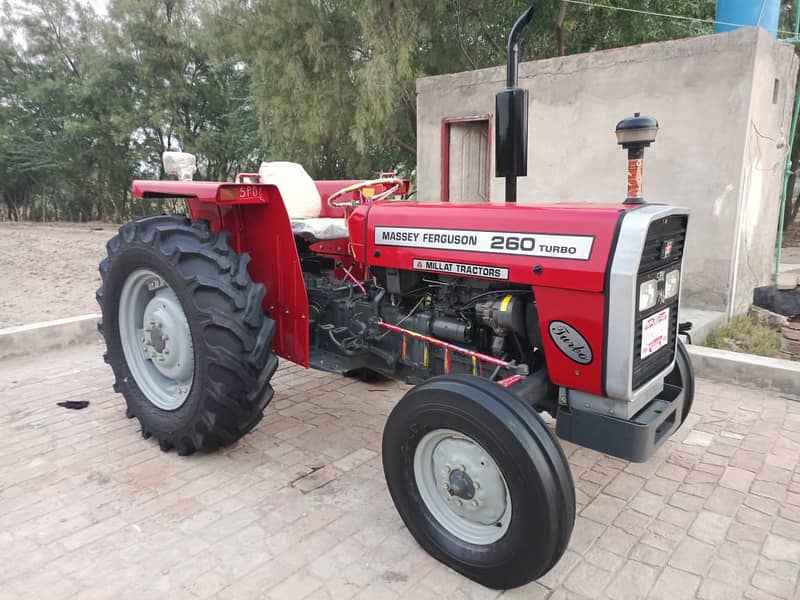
49,271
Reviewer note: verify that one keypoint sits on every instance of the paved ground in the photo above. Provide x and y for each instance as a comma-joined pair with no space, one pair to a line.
88,509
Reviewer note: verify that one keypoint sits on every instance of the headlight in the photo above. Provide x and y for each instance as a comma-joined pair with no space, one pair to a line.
648,294
671,282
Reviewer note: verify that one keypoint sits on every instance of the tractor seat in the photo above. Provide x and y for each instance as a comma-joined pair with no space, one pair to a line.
302,200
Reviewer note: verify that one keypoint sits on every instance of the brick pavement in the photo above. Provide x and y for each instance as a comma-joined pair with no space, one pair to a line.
88,509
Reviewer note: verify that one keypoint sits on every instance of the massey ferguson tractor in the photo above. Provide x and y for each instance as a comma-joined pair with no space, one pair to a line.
497,312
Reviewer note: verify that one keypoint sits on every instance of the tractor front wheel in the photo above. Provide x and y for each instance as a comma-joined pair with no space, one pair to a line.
186,336
682,378
479,480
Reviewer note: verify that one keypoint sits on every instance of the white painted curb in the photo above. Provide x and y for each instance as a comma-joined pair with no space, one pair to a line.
769,374
48,335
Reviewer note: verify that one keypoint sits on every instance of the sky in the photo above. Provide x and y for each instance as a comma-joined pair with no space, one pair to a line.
100,6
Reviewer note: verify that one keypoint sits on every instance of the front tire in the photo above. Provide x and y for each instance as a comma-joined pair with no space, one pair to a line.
186,336
682,378
451,433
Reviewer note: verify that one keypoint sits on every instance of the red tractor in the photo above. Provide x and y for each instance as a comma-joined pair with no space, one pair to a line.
497,311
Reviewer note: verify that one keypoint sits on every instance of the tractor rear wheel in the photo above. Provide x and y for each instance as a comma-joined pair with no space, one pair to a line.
186,336
479,480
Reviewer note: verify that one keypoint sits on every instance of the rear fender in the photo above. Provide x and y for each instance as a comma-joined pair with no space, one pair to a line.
263,230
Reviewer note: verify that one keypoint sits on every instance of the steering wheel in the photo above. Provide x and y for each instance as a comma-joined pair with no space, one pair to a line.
393,182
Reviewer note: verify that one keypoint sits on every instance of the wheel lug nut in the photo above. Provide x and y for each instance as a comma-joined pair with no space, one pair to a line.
476,485
474,504
165,337
462,468
447,469
445,486
458,502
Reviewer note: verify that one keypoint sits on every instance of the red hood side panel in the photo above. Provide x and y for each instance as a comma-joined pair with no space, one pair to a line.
559,246
529,242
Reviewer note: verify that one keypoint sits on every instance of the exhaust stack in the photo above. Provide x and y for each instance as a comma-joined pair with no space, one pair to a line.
511,117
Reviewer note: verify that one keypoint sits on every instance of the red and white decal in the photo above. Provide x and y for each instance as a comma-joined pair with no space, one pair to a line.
655,332
251,192
460,269
575,247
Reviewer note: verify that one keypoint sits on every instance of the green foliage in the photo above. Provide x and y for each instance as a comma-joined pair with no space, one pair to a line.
744,334
89,102
336,79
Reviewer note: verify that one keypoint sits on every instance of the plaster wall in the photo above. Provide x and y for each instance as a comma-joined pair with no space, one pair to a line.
720,148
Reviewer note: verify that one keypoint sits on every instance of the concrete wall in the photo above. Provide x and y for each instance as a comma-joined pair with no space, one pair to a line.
719,151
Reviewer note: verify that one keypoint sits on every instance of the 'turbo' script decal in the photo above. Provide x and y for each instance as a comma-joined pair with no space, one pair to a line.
570,342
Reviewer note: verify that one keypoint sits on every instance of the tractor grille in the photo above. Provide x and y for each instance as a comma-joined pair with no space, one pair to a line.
668,233
672,228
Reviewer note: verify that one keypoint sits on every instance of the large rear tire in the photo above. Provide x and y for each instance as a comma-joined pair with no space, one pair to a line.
479,480
186,336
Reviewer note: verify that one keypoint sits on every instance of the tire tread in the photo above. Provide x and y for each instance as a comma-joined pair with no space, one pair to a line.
234,403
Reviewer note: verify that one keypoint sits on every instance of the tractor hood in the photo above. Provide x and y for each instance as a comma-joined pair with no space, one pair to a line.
566,246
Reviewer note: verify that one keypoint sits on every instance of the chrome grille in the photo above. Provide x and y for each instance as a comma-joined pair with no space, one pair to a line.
667,232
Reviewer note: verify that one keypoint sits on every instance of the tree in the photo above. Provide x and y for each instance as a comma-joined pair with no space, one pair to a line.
336,79
88,102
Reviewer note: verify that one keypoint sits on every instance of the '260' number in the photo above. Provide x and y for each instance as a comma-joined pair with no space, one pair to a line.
512,242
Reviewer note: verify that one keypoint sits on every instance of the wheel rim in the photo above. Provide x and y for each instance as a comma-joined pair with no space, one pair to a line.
462,486
156,339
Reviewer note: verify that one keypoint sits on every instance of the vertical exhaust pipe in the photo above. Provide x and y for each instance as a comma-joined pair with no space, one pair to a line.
511,117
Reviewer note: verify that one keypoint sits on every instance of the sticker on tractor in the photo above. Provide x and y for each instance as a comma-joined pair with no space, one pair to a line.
575,247
655,332
454,268
570,341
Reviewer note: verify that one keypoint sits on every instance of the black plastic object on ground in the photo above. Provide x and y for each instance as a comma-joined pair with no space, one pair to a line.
783,302
74,404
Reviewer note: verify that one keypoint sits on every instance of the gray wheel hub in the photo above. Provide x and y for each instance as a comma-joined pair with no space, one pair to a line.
156,339
462,486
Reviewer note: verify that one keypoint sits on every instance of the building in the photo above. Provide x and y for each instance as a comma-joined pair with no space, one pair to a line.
724,105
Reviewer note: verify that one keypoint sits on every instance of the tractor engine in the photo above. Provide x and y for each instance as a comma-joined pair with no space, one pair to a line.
347,323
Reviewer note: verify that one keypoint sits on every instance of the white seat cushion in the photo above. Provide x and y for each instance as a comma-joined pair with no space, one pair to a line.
320,228
298,190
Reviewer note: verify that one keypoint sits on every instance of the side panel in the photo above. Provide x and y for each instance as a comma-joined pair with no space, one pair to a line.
569,292
555,246
264,232
571,323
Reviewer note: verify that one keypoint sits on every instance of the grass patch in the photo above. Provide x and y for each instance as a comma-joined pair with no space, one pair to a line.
743,334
